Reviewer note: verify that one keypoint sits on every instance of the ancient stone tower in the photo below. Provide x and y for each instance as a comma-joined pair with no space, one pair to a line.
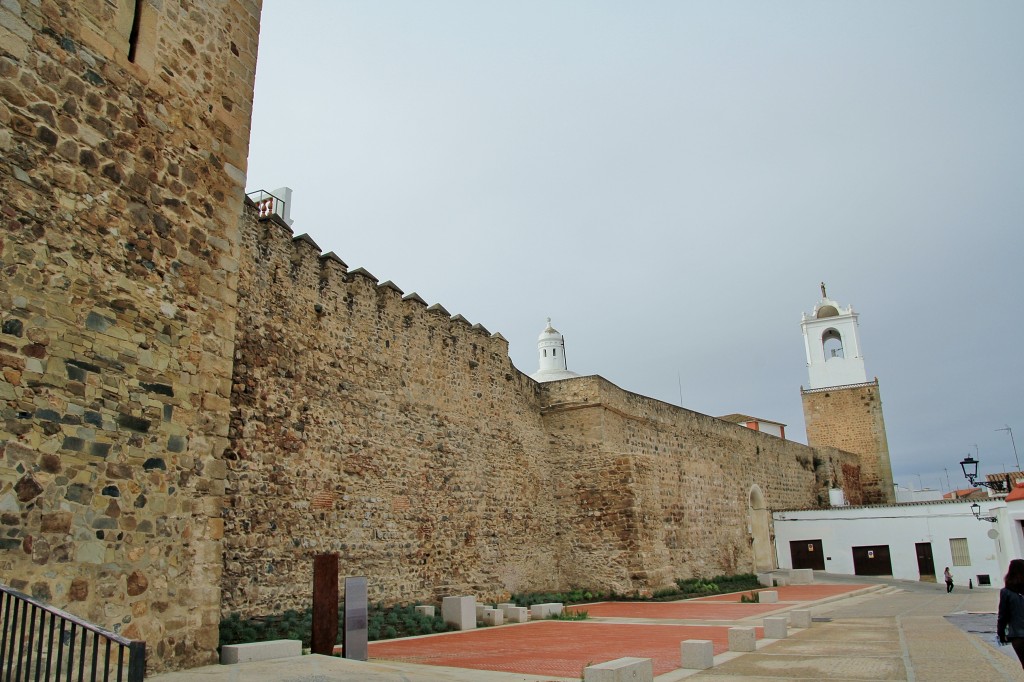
842,409
124,133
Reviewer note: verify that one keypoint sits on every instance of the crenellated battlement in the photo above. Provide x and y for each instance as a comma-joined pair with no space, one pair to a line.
324,279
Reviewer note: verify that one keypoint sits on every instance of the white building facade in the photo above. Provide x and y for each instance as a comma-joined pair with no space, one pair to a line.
913,541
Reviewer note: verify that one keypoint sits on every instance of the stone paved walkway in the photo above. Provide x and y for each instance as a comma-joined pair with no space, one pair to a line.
899,631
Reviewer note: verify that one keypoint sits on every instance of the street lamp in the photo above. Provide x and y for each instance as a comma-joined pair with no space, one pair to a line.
970,467
976,510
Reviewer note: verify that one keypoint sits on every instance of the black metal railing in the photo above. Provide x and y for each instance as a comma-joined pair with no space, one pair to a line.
42,643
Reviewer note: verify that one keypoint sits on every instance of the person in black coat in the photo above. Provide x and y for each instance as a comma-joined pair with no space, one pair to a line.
1010,620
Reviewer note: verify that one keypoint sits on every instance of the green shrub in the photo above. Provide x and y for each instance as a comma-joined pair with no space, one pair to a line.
382,623
569,615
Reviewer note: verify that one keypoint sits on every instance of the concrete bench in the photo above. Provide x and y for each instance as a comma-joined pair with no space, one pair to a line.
459,612
742,639
542,611
493,617
620,670
801,576
776,628
697,654
768,597
800,618
260,651
516,614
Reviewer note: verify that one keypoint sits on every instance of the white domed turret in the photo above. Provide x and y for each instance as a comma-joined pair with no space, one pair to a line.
551,356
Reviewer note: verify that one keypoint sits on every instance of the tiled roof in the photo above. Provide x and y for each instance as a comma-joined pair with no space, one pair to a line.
1016,494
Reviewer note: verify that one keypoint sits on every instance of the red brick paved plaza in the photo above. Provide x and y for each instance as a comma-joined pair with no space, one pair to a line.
564,648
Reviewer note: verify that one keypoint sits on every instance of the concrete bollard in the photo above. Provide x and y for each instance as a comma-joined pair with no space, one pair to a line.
768,597
517,614
542,611
776,628
493,617
766,579
459,612
800,618
742,639
480,611
801,576
427,611
620,670
260,651
698,654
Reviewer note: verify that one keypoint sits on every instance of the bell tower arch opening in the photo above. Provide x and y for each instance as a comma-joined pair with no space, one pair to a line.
832,344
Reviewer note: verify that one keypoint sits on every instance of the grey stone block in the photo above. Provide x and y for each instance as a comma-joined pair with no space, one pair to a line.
800,618
620,670
742,639
801,576
459,612
776,628
260,651
697,654
517,614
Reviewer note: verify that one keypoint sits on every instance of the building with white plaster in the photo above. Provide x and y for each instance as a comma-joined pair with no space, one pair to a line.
913,541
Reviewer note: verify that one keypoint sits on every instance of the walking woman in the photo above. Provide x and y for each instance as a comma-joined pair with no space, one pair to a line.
1010,621
949,580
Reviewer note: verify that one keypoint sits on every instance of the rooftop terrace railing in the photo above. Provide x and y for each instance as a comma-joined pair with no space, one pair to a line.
43,643
267,203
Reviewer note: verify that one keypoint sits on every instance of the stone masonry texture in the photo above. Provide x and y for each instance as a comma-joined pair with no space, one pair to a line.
194,402
850,418
122,162
367,424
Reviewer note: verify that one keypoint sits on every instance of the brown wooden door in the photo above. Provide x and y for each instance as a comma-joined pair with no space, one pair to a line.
925,562
807,554
873,560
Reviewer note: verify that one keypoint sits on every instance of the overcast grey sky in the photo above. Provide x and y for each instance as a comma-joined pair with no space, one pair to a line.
669,182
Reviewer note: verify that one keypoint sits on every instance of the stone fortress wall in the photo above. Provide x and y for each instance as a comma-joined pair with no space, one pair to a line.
193,404
381,429
367,423
654,492
850,418
122,164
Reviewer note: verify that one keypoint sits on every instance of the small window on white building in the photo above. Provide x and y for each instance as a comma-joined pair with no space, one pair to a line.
958,548
545,351
554,352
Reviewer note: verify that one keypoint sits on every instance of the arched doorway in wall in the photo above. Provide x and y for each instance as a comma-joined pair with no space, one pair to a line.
757,518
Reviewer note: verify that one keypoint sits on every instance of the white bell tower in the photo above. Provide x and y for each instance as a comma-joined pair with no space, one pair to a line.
551,356
832,343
